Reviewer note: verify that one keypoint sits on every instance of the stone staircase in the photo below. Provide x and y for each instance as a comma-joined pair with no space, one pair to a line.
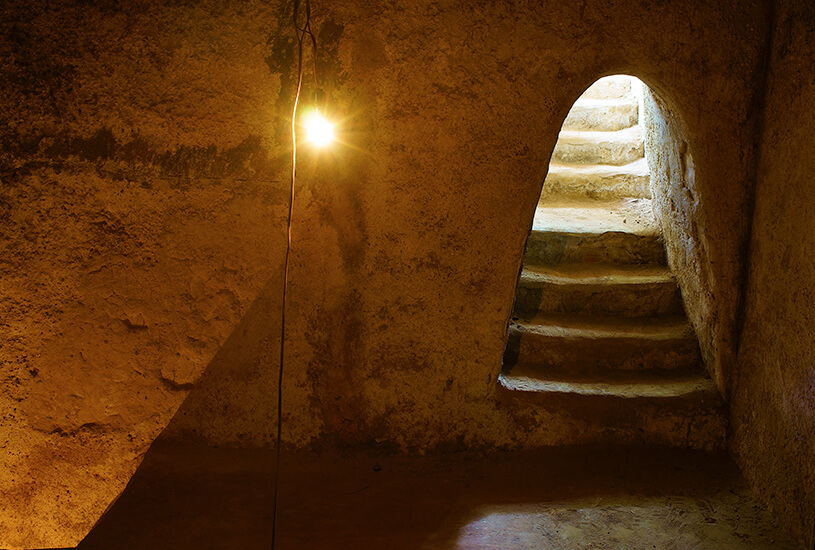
598,332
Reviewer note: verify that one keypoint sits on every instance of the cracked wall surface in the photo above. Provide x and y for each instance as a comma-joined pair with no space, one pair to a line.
144,168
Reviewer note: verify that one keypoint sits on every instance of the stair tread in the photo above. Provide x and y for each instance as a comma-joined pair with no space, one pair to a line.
597,274
592,217
638,167
590,374
675,387
589,137
605,102
565,325
605,375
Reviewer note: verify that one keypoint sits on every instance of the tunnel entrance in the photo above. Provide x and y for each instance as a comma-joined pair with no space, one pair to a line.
598,321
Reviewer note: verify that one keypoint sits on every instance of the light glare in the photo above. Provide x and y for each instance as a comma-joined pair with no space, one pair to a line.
319,131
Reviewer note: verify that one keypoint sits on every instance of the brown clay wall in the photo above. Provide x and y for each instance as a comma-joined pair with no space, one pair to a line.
773,403
144,179
140,218
682,215
705,224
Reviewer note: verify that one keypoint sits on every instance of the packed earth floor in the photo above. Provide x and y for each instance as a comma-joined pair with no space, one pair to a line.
189,496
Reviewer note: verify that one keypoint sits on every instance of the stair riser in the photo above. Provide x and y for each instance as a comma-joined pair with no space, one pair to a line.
603,118
583,356
550,248
618,186
608,152
609,88
565,419
624,300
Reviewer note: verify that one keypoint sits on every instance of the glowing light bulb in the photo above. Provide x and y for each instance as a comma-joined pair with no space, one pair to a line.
319,131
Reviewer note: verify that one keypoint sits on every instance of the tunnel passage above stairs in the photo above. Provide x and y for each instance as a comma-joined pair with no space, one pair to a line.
598,328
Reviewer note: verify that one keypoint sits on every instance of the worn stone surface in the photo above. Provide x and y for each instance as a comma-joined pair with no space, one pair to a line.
616,148
681,213
625,291
144,167
773,403
597,182
705,227
578,344
604,115
595,232
686,413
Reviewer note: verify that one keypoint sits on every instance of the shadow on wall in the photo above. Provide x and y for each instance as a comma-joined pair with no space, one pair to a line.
234,403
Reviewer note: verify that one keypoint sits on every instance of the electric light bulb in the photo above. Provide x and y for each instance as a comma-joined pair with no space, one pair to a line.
319,131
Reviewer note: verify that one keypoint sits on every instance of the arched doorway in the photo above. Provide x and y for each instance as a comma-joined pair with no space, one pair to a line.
598,313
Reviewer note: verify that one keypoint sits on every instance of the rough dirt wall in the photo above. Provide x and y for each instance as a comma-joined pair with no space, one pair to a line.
144,167
706,225
773,403
140,218
708,291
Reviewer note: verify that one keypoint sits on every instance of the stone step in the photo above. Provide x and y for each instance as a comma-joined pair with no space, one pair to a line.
597,181
597,289
617,148
554,247
593,344
623,232
610,87
685,412
604,115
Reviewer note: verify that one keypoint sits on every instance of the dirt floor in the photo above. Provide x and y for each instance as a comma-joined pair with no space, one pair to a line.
188,496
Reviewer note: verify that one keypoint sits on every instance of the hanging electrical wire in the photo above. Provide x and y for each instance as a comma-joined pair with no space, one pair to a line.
303,32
